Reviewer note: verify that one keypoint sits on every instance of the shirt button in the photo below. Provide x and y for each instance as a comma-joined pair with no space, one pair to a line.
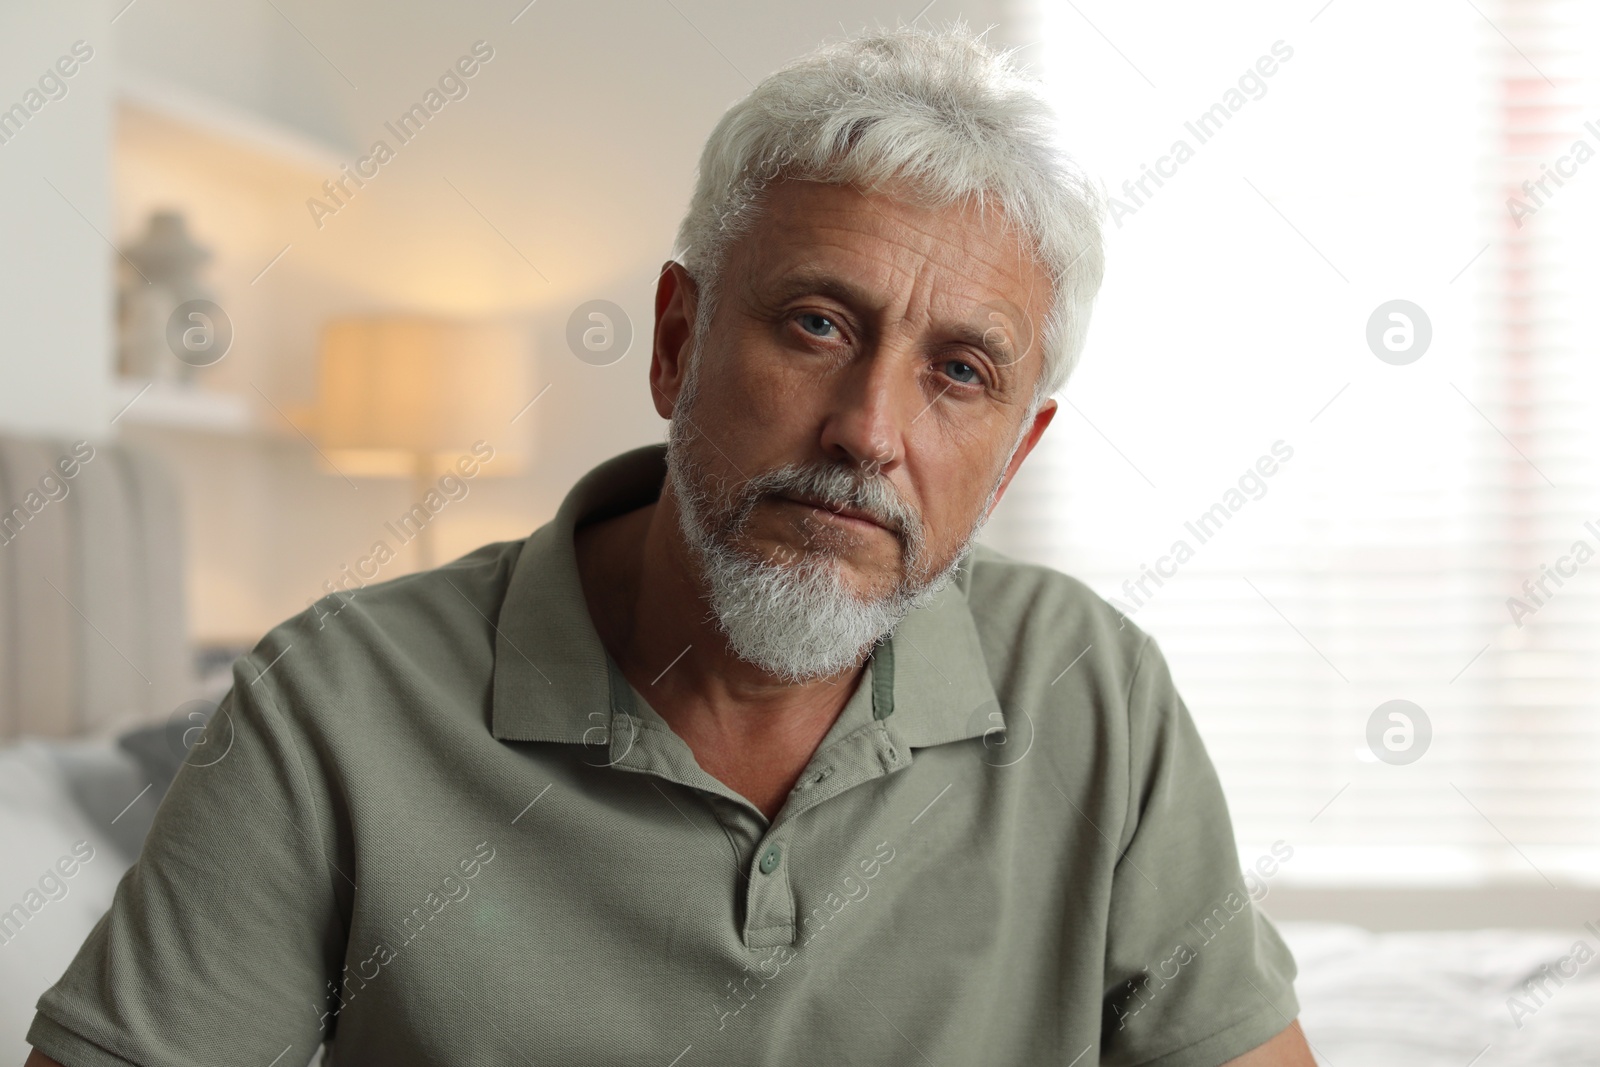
769,859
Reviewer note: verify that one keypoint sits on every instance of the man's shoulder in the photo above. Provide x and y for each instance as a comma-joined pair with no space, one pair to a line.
1025,610
360,628
1005,590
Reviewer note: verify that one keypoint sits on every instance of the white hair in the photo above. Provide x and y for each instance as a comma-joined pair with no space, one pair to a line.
935,111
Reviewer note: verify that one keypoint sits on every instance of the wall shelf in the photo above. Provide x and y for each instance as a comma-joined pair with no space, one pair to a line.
240,178
218,134
197,408
174,405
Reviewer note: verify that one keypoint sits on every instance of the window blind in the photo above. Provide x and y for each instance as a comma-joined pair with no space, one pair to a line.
1279,181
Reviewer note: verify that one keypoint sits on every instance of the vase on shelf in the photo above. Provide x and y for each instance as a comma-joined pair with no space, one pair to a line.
159,272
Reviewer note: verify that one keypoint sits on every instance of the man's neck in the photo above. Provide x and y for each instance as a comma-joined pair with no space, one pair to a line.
650,609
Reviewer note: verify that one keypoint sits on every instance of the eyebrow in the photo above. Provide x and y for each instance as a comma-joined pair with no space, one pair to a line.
808,281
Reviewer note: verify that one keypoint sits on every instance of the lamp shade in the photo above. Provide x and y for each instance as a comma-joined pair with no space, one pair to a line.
393,389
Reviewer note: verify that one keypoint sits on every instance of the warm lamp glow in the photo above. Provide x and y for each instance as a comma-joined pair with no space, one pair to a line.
396,389
415,396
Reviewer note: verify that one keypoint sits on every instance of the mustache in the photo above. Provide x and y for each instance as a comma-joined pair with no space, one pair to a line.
838,487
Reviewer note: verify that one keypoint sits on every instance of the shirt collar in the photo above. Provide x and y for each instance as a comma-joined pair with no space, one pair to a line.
551,675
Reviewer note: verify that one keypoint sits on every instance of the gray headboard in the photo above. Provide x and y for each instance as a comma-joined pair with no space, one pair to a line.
92,611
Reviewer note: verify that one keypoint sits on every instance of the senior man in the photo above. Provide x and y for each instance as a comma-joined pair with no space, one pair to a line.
749,756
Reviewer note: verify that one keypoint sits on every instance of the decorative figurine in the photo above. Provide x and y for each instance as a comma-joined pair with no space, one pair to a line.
165,274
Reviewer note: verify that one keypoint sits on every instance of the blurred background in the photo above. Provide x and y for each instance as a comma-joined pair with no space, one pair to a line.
1333,440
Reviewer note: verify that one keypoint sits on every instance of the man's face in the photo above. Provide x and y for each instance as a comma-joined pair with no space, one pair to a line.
867,355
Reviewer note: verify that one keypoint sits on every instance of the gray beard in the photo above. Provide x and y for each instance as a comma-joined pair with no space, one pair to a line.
796,621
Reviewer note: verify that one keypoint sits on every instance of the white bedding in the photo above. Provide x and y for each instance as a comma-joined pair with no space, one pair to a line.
1440,998
40,823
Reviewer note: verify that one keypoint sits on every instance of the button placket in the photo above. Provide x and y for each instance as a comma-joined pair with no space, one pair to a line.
769,912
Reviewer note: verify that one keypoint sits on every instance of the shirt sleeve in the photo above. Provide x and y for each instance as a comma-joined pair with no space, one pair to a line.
222,939
1195,974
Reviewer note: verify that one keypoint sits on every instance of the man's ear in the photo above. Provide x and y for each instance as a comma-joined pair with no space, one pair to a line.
1041,419
677,298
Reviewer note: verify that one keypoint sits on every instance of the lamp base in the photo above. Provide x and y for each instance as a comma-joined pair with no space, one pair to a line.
422,485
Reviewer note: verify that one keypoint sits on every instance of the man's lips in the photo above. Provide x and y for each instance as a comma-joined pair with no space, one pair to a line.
849,514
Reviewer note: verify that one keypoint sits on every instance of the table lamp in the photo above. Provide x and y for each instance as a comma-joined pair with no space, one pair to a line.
410,395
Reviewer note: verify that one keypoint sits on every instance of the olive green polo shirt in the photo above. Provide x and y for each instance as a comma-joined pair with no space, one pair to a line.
435,825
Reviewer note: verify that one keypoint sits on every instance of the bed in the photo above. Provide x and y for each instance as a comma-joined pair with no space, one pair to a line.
1447,998
92,613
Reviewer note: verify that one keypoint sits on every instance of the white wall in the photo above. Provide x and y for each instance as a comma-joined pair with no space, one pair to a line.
55,264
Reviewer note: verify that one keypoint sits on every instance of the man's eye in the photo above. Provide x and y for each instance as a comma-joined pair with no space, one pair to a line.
809,318
961,371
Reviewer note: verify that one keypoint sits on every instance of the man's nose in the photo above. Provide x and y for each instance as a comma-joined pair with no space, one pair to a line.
870,404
